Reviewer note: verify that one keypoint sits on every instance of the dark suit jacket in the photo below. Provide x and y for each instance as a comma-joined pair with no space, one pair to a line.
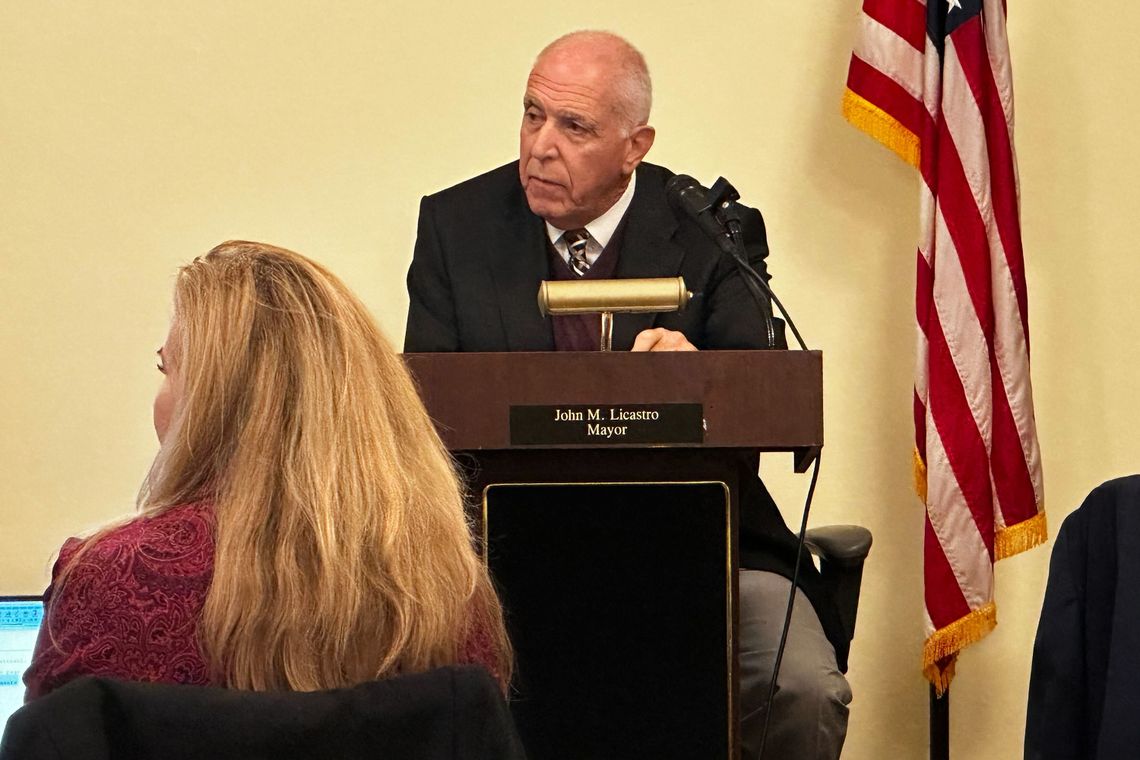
481,254
1084,702
445,714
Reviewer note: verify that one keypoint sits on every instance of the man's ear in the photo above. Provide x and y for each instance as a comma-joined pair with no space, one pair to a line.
640,141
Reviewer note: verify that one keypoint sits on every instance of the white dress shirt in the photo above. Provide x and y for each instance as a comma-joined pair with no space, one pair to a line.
601,229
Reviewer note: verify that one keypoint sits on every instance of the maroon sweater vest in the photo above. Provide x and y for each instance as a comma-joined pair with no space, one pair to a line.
582,332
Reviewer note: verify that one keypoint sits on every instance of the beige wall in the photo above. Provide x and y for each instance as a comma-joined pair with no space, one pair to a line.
134,135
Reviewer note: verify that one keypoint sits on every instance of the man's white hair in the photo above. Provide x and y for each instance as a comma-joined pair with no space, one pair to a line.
634,87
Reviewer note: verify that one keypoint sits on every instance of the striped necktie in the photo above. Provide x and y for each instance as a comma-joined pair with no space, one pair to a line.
576,241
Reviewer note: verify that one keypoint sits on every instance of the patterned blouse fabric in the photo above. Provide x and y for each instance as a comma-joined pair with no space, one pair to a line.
130,607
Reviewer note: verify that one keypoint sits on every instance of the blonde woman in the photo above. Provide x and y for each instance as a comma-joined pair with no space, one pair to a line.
301,527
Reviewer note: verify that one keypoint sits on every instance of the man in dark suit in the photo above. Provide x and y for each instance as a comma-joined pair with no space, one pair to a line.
580,203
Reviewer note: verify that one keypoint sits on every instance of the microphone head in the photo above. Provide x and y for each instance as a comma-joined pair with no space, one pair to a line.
679,182
686,195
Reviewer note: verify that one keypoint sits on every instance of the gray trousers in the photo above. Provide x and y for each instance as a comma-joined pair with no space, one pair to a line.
809,718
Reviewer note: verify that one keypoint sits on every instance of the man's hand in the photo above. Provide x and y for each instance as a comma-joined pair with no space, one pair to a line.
660,339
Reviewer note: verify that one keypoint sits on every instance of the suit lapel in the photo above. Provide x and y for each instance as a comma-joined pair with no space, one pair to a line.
647,250
518,263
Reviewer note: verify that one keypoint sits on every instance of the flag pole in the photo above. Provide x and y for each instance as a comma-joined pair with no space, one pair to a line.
939,724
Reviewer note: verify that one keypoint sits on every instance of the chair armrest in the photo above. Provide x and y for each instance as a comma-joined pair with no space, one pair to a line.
841,550
842,544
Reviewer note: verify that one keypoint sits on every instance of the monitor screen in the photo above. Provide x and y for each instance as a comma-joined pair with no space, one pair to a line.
20,618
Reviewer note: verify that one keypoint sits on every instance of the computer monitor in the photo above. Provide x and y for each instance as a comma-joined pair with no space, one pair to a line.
20,618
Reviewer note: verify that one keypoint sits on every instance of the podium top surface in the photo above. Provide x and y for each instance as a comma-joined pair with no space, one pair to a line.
766,400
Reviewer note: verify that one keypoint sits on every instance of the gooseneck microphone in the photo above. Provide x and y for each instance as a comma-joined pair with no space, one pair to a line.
689,197
719,216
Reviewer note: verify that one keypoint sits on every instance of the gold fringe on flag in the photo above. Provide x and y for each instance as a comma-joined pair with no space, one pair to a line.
941,673
919,476
941,650
1021,537
880,125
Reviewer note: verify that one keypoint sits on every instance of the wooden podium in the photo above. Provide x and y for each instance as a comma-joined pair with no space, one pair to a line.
609,511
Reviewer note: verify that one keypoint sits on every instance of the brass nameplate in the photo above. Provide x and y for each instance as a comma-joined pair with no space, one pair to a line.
607,425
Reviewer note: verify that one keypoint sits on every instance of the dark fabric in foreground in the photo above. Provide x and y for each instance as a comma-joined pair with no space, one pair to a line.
1084,698
455,712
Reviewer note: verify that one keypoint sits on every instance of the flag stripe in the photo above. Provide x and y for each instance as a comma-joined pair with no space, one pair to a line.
883,49
923,303
954,422
906,18
932,102
966,349
1012,480
997,48
966,228
944,600
973,59
962,544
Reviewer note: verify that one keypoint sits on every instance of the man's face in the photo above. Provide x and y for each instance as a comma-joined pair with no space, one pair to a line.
575,154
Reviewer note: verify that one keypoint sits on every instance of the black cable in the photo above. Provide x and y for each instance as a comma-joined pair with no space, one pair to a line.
791,606
759,288
758,282
738,252
768,290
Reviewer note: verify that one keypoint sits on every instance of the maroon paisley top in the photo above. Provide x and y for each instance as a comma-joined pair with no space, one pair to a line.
130,607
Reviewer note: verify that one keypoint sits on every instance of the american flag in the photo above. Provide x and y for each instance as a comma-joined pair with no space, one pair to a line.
931,80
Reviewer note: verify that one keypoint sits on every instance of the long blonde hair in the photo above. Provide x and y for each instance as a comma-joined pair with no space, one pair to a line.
342,550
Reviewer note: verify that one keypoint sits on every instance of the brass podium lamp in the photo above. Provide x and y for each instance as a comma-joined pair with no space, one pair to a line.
608,297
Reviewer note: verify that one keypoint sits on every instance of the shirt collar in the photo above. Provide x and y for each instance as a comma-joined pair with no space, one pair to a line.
602,228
